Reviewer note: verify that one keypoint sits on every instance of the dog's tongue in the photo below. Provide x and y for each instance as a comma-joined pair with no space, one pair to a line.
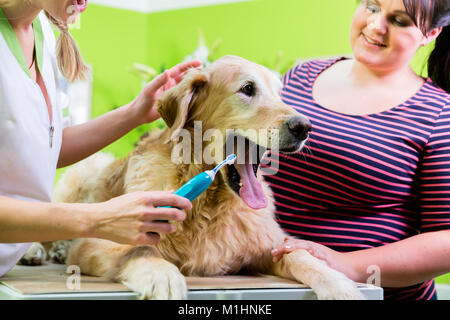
251,191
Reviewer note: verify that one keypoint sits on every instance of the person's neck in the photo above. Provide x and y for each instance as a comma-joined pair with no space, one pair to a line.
364,75
21,14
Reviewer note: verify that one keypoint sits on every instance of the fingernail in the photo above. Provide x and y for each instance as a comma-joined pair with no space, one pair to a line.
288,247
274,251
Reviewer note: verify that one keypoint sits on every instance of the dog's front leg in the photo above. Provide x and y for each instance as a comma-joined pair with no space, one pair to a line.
327,283
140,268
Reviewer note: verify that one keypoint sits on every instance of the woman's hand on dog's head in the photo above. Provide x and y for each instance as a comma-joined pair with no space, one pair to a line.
135,218
142,108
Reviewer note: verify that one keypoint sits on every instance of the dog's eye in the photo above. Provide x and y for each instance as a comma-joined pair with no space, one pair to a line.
248,90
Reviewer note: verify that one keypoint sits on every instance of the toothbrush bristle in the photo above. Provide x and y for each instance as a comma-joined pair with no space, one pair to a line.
229,160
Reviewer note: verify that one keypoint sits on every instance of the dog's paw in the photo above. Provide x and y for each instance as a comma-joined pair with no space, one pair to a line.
35,256
339,288
327,283
59,250
154,279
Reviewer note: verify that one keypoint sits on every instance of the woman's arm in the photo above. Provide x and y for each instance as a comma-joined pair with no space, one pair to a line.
128,219
402,263
406,262
81,141
23,221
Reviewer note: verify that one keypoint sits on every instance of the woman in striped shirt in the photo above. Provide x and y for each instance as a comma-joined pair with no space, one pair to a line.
371,193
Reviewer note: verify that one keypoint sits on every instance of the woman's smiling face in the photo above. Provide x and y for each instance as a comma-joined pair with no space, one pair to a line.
383,36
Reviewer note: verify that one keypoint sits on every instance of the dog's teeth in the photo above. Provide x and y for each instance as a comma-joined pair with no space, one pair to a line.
240,184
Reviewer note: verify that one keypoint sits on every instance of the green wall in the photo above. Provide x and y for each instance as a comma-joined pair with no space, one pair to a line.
112,40
256,30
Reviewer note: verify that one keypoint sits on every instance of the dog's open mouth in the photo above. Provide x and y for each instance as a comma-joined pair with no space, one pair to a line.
242,175
242,180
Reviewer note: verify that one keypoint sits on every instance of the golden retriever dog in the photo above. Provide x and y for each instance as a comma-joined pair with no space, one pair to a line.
231,227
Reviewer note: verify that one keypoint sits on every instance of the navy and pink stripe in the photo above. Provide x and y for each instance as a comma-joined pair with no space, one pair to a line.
366,181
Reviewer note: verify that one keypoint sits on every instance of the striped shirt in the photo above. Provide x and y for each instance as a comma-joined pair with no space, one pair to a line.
364,181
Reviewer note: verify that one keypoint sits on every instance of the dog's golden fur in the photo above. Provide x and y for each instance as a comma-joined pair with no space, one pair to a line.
221,234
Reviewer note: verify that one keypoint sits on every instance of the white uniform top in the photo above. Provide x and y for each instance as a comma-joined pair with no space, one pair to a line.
29,147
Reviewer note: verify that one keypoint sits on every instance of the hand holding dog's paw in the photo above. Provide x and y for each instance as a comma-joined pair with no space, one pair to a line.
334,259
154,279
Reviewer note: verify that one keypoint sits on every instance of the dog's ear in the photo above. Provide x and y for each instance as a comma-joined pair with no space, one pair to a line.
175,104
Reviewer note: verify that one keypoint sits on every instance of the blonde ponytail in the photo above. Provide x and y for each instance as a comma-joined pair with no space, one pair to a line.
70,61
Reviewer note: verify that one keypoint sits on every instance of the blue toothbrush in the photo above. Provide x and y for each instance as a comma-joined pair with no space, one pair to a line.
198,184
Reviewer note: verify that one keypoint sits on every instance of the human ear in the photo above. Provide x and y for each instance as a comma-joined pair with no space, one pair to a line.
431,36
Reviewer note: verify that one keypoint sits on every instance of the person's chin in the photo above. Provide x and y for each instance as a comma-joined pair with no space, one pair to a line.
364,59
367,57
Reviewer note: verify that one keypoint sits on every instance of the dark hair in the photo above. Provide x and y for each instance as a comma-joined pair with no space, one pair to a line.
428,15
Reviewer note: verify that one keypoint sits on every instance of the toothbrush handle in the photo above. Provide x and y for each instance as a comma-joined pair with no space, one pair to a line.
193,188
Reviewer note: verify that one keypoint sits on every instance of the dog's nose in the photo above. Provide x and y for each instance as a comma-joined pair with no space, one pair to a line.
299,127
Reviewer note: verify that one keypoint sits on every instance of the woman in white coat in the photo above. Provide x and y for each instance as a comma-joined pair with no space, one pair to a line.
33,142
